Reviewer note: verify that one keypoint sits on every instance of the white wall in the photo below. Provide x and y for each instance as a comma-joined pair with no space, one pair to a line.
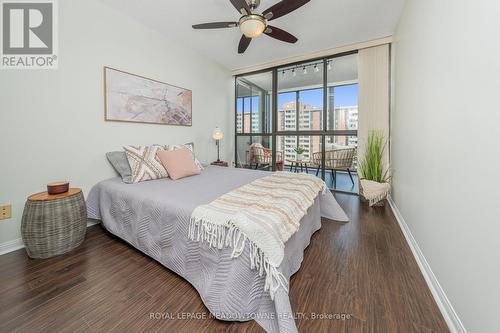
51,122
445,147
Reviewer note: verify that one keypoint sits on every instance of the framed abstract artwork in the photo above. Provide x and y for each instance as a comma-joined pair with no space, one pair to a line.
133,98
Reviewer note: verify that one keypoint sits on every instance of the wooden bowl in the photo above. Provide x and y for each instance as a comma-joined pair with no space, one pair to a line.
58,187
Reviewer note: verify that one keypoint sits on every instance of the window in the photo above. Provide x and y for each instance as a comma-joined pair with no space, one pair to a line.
316,113
300,97
287,111
253,103
311,109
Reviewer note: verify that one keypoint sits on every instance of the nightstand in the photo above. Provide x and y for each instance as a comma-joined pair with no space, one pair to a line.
54,224
220,163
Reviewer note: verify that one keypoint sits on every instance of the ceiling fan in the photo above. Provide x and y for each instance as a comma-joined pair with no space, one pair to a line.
253,24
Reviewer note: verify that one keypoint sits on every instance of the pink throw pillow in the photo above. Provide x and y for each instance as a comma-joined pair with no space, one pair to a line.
178,163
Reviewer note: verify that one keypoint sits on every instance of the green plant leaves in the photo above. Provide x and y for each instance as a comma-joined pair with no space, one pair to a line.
371,167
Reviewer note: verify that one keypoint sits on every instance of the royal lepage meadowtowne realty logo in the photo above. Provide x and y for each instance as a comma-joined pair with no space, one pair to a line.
29,34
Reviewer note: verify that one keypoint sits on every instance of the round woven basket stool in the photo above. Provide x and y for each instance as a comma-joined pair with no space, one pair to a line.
54,224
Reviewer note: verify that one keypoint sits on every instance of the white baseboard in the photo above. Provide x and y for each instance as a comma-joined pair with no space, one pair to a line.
92,222
449,314
10,246
17,244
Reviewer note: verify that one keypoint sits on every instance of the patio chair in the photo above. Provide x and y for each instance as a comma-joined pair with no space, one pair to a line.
263,157
335,160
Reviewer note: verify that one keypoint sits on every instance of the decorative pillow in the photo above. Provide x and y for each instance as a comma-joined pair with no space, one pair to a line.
179,163
144,164
190,147
118,160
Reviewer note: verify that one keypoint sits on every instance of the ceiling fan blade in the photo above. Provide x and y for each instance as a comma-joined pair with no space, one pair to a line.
282,8
280,34
244,42
215,25
241,6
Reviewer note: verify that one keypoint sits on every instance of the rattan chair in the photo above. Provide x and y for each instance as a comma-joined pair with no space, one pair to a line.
335,160
263,157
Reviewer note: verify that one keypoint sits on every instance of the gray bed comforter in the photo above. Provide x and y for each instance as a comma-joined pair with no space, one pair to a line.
154,216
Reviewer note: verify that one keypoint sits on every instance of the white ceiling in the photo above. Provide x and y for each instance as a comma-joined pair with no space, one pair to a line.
319,25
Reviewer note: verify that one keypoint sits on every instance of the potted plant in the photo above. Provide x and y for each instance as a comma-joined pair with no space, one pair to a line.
374,181
299,151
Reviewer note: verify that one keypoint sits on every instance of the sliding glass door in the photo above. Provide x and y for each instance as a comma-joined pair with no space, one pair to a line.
253,125
310,127
341,141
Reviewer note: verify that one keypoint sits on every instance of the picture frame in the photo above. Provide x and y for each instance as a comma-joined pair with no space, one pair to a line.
137,99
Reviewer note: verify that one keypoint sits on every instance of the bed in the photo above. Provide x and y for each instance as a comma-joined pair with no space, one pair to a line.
154,216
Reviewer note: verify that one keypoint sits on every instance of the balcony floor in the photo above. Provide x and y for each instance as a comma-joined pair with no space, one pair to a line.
343,181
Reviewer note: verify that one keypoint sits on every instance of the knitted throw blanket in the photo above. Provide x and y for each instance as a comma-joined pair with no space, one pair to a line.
263,214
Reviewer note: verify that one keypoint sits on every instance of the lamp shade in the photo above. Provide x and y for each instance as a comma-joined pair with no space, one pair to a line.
252,25
217,134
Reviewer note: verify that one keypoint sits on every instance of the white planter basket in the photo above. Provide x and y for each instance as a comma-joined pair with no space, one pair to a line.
380,197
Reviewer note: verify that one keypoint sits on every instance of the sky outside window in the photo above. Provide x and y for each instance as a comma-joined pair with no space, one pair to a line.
285,98
255,104
239,104
346,95
312,97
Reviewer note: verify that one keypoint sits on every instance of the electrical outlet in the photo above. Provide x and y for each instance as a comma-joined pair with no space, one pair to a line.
5,211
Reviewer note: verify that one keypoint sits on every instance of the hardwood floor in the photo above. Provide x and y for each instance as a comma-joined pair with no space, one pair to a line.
363,269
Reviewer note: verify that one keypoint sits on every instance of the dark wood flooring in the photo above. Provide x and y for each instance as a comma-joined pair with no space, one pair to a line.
363,269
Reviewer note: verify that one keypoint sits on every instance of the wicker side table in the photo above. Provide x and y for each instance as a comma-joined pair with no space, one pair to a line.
53,224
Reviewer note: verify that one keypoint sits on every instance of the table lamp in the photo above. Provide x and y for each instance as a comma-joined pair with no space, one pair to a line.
217,135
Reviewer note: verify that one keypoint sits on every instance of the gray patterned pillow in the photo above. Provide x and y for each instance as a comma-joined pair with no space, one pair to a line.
144,164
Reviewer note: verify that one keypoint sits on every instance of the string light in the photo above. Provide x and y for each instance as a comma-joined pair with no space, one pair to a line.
329,66
293,72
283,73
304,70
316,69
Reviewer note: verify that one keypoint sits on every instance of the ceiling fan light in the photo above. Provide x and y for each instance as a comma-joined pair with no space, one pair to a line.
252,25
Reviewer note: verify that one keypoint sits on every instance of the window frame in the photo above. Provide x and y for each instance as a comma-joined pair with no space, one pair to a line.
322,133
